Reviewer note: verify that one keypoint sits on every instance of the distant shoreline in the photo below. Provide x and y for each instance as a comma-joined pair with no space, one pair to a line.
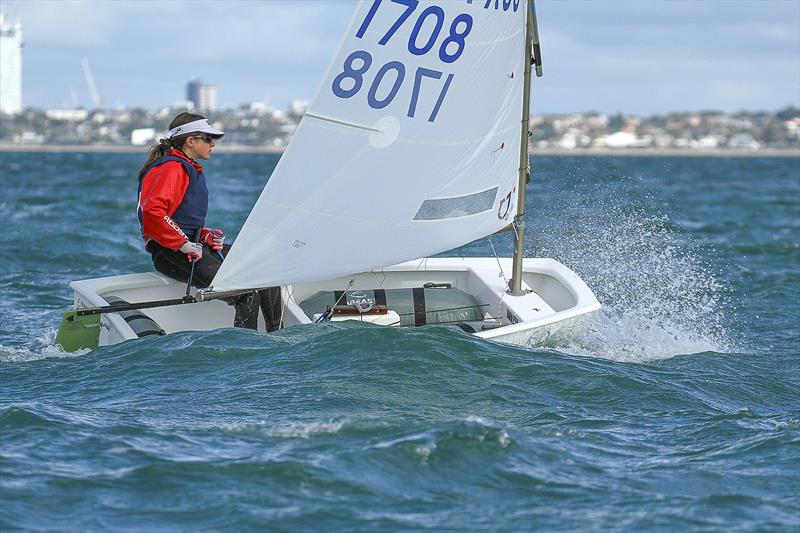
582,152
125,148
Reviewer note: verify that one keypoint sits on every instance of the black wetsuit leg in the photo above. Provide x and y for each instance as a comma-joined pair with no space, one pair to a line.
271,307
175,265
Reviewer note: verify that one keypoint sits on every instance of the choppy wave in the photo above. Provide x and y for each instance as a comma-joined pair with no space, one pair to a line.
41,347
357,427
307,432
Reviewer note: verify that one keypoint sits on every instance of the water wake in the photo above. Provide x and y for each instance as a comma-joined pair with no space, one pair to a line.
41,347
659,300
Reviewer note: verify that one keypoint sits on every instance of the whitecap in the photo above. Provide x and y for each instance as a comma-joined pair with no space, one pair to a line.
42,347
303,430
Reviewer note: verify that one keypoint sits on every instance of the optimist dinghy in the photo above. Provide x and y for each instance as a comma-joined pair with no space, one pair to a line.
415,143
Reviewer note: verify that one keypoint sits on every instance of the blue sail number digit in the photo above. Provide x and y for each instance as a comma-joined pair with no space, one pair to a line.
368,19
459,38
411,5
421,72
357,75
439,100
438,12
371,96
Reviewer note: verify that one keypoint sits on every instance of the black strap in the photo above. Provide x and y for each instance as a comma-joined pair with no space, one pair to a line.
338,298
380,297
419,306
150,332
130,316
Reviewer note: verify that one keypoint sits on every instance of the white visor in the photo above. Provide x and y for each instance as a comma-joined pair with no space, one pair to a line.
198,126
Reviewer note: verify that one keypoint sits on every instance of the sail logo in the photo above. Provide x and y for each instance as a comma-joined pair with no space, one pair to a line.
360,299
505,205
507,4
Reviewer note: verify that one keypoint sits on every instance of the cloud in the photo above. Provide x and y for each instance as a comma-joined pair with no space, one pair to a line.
644,57
609,55
215,29
231,44
64,23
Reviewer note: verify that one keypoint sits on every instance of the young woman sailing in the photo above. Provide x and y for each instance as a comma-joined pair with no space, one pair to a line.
173,202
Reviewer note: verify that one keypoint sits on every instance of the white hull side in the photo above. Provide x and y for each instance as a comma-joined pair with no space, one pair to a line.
534,336
555,302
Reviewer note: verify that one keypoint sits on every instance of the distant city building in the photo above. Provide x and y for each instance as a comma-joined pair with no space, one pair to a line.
142,136
793,126
744,141
204,97
208,98
29,137
10,66
67,115
258,107
261,126
298,107
193,91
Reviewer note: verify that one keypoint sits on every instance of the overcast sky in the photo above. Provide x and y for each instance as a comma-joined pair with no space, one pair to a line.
633,56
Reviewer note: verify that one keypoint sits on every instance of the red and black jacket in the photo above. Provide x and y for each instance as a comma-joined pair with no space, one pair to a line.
173,200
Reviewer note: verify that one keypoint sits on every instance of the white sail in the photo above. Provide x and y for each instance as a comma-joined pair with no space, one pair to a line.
410,147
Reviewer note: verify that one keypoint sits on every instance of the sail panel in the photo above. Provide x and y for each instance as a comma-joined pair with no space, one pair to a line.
460,206
420,105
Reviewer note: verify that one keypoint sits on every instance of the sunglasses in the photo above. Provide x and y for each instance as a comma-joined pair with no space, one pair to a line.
206,138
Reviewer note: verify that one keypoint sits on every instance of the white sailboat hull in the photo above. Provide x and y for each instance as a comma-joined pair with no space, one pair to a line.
555,300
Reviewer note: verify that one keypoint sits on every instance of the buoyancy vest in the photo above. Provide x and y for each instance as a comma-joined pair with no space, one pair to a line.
191,213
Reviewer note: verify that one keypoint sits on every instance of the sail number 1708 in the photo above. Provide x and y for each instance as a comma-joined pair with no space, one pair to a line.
381,93
452,46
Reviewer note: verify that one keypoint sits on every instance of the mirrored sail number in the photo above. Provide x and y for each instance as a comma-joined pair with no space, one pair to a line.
350,81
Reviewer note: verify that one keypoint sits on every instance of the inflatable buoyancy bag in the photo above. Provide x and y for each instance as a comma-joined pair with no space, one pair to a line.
140,323
416,306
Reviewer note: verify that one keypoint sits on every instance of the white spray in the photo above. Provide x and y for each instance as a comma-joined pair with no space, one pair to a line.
659,300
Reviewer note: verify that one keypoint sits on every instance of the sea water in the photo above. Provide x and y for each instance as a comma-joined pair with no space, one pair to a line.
677,408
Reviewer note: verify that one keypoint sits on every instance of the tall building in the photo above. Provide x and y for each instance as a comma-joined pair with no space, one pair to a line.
208,98
10,66
204,97
193,92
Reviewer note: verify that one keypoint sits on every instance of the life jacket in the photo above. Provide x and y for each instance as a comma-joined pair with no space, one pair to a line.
191,213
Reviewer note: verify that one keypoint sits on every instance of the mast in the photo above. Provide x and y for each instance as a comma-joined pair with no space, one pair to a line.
531,43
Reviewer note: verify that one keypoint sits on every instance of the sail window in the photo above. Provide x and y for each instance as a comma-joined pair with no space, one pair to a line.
458,206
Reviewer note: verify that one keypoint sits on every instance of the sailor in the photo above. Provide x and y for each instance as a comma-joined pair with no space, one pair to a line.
173,202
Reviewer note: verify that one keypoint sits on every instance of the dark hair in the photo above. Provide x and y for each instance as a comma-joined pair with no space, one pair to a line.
165,145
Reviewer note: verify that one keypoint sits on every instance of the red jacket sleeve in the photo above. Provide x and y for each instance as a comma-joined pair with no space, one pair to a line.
163,189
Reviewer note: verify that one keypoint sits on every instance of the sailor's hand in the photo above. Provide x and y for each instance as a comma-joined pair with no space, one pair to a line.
193,250
214,238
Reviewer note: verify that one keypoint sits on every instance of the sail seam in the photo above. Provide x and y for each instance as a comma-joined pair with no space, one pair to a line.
496,133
